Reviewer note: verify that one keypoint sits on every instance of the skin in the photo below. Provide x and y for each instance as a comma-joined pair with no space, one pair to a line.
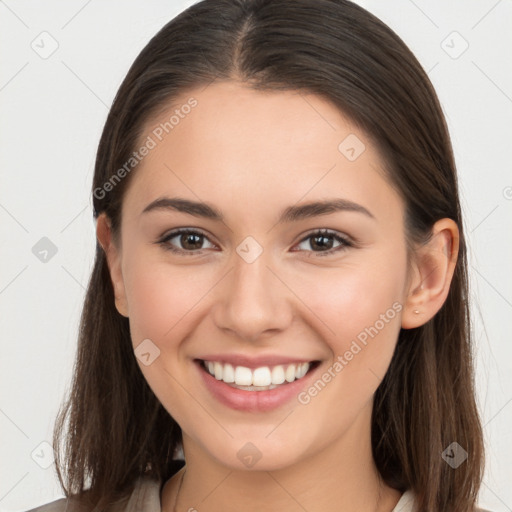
251,154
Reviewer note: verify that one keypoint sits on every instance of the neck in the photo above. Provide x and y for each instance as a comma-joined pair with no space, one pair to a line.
341,476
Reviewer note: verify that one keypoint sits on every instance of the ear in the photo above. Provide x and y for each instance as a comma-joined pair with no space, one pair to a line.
113,255
433,268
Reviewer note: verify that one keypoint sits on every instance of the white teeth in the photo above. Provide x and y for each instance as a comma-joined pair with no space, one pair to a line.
277,375
289,374
301,370
217,370
260,378
228,373
243,376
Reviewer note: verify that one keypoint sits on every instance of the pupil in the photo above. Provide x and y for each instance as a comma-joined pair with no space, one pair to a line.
188,240
322,242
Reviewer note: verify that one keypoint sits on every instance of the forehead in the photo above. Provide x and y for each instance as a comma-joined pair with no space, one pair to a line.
227,143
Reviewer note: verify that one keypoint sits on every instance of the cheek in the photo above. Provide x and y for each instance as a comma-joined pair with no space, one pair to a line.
362,310
361,303
161,296
358,308
352,297
161,301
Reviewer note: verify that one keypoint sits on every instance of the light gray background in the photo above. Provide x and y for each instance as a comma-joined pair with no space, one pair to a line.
52,113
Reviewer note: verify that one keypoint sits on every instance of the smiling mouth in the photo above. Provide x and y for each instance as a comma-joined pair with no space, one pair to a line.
263,378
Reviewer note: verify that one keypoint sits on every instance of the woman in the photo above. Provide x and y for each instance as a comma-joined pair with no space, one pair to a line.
280,288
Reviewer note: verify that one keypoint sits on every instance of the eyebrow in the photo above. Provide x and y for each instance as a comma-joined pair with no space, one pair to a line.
290,214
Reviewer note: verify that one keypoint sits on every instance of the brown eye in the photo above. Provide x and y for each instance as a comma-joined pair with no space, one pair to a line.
191,241
321,242
324,242
185,241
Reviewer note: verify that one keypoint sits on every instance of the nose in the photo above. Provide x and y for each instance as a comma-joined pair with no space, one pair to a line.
252,301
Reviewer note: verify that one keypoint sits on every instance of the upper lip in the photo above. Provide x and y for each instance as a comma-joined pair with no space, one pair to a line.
255,361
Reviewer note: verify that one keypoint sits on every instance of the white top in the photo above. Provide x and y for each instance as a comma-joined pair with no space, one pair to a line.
405,503
146,498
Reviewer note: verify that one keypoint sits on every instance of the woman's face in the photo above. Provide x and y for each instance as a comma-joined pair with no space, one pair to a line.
254,285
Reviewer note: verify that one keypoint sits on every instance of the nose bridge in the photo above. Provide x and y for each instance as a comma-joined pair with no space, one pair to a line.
252,300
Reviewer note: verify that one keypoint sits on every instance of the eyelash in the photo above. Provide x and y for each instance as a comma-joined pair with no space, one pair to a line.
344,242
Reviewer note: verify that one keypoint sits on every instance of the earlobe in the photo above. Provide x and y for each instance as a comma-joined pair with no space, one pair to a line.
113,256
433,272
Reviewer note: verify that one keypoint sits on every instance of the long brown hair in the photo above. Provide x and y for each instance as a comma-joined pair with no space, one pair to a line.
113,429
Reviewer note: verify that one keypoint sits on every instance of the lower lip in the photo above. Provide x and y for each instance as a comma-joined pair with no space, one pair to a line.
253,401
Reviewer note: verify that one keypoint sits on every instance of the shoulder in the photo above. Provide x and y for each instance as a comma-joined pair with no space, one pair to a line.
145,496
407,503
61,505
